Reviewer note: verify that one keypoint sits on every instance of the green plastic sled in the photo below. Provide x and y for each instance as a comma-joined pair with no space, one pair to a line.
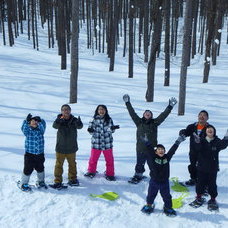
178,202
177,186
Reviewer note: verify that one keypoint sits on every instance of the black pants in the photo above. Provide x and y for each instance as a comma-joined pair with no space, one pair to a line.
207,179
141,160
33,161
164,189
193,157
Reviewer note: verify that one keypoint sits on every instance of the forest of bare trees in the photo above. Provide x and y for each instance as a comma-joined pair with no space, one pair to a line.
149,27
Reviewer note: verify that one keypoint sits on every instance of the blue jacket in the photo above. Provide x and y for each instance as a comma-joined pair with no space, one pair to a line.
34,141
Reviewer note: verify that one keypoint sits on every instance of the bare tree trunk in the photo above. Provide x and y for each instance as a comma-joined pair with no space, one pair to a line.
154,49
131,39
74,52
211,10
167,43
186,50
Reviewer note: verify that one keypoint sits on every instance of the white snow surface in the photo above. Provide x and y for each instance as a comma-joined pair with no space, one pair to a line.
31,82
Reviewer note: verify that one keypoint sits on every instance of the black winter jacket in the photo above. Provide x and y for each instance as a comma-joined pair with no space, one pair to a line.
66,141
148,128
208,160
190,129
159,166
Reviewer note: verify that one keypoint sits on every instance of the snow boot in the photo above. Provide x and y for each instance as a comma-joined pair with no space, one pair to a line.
26,188
58,186
41,184
169,212
73,182
148,209
135,179
110,178
91,175
212,205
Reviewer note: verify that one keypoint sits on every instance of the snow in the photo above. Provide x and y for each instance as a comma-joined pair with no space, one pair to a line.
32,82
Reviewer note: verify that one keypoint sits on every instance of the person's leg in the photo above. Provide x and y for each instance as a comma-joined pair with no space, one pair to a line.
95,154
201,183
140,165
39,167
212,186
59,167
28,168
108,154
72,168
165,193
152,192
192,167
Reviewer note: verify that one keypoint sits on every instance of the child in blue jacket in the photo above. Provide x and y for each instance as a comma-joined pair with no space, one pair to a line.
33,128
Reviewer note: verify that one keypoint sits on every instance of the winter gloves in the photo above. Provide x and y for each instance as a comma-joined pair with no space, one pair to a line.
126,98
114,127
29,118
182,132
180,139
90,130
172,101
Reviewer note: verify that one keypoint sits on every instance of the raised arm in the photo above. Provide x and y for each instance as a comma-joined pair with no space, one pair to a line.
166,112
131,110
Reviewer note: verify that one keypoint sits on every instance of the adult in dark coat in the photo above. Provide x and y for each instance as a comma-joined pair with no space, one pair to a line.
197,128
146,127
66,145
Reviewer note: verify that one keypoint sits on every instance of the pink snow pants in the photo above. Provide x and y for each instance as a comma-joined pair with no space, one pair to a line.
95,154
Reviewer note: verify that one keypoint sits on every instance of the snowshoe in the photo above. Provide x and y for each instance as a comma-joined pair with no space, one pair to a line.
198,202
73,183
41,184
91,175
148,209
136,179
58,186
169,212
24,187
212,205
110,178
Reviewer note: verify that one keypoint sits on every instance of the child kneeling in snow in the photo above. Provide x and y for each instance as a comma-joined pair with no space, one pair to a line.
33,129
158,162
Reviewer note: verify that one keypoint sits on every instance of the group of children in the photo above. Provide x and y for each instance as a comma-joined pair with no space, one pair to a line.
147,150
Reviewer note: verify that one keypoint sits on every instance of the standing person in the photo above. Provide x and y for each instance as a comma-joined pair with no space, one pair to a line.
199,129
33,128
101,129
158,162
66,146
146,127
208,166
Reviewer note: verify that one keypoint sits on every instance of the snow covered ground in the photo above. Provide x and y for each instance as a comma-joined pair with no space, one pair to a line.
32,82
